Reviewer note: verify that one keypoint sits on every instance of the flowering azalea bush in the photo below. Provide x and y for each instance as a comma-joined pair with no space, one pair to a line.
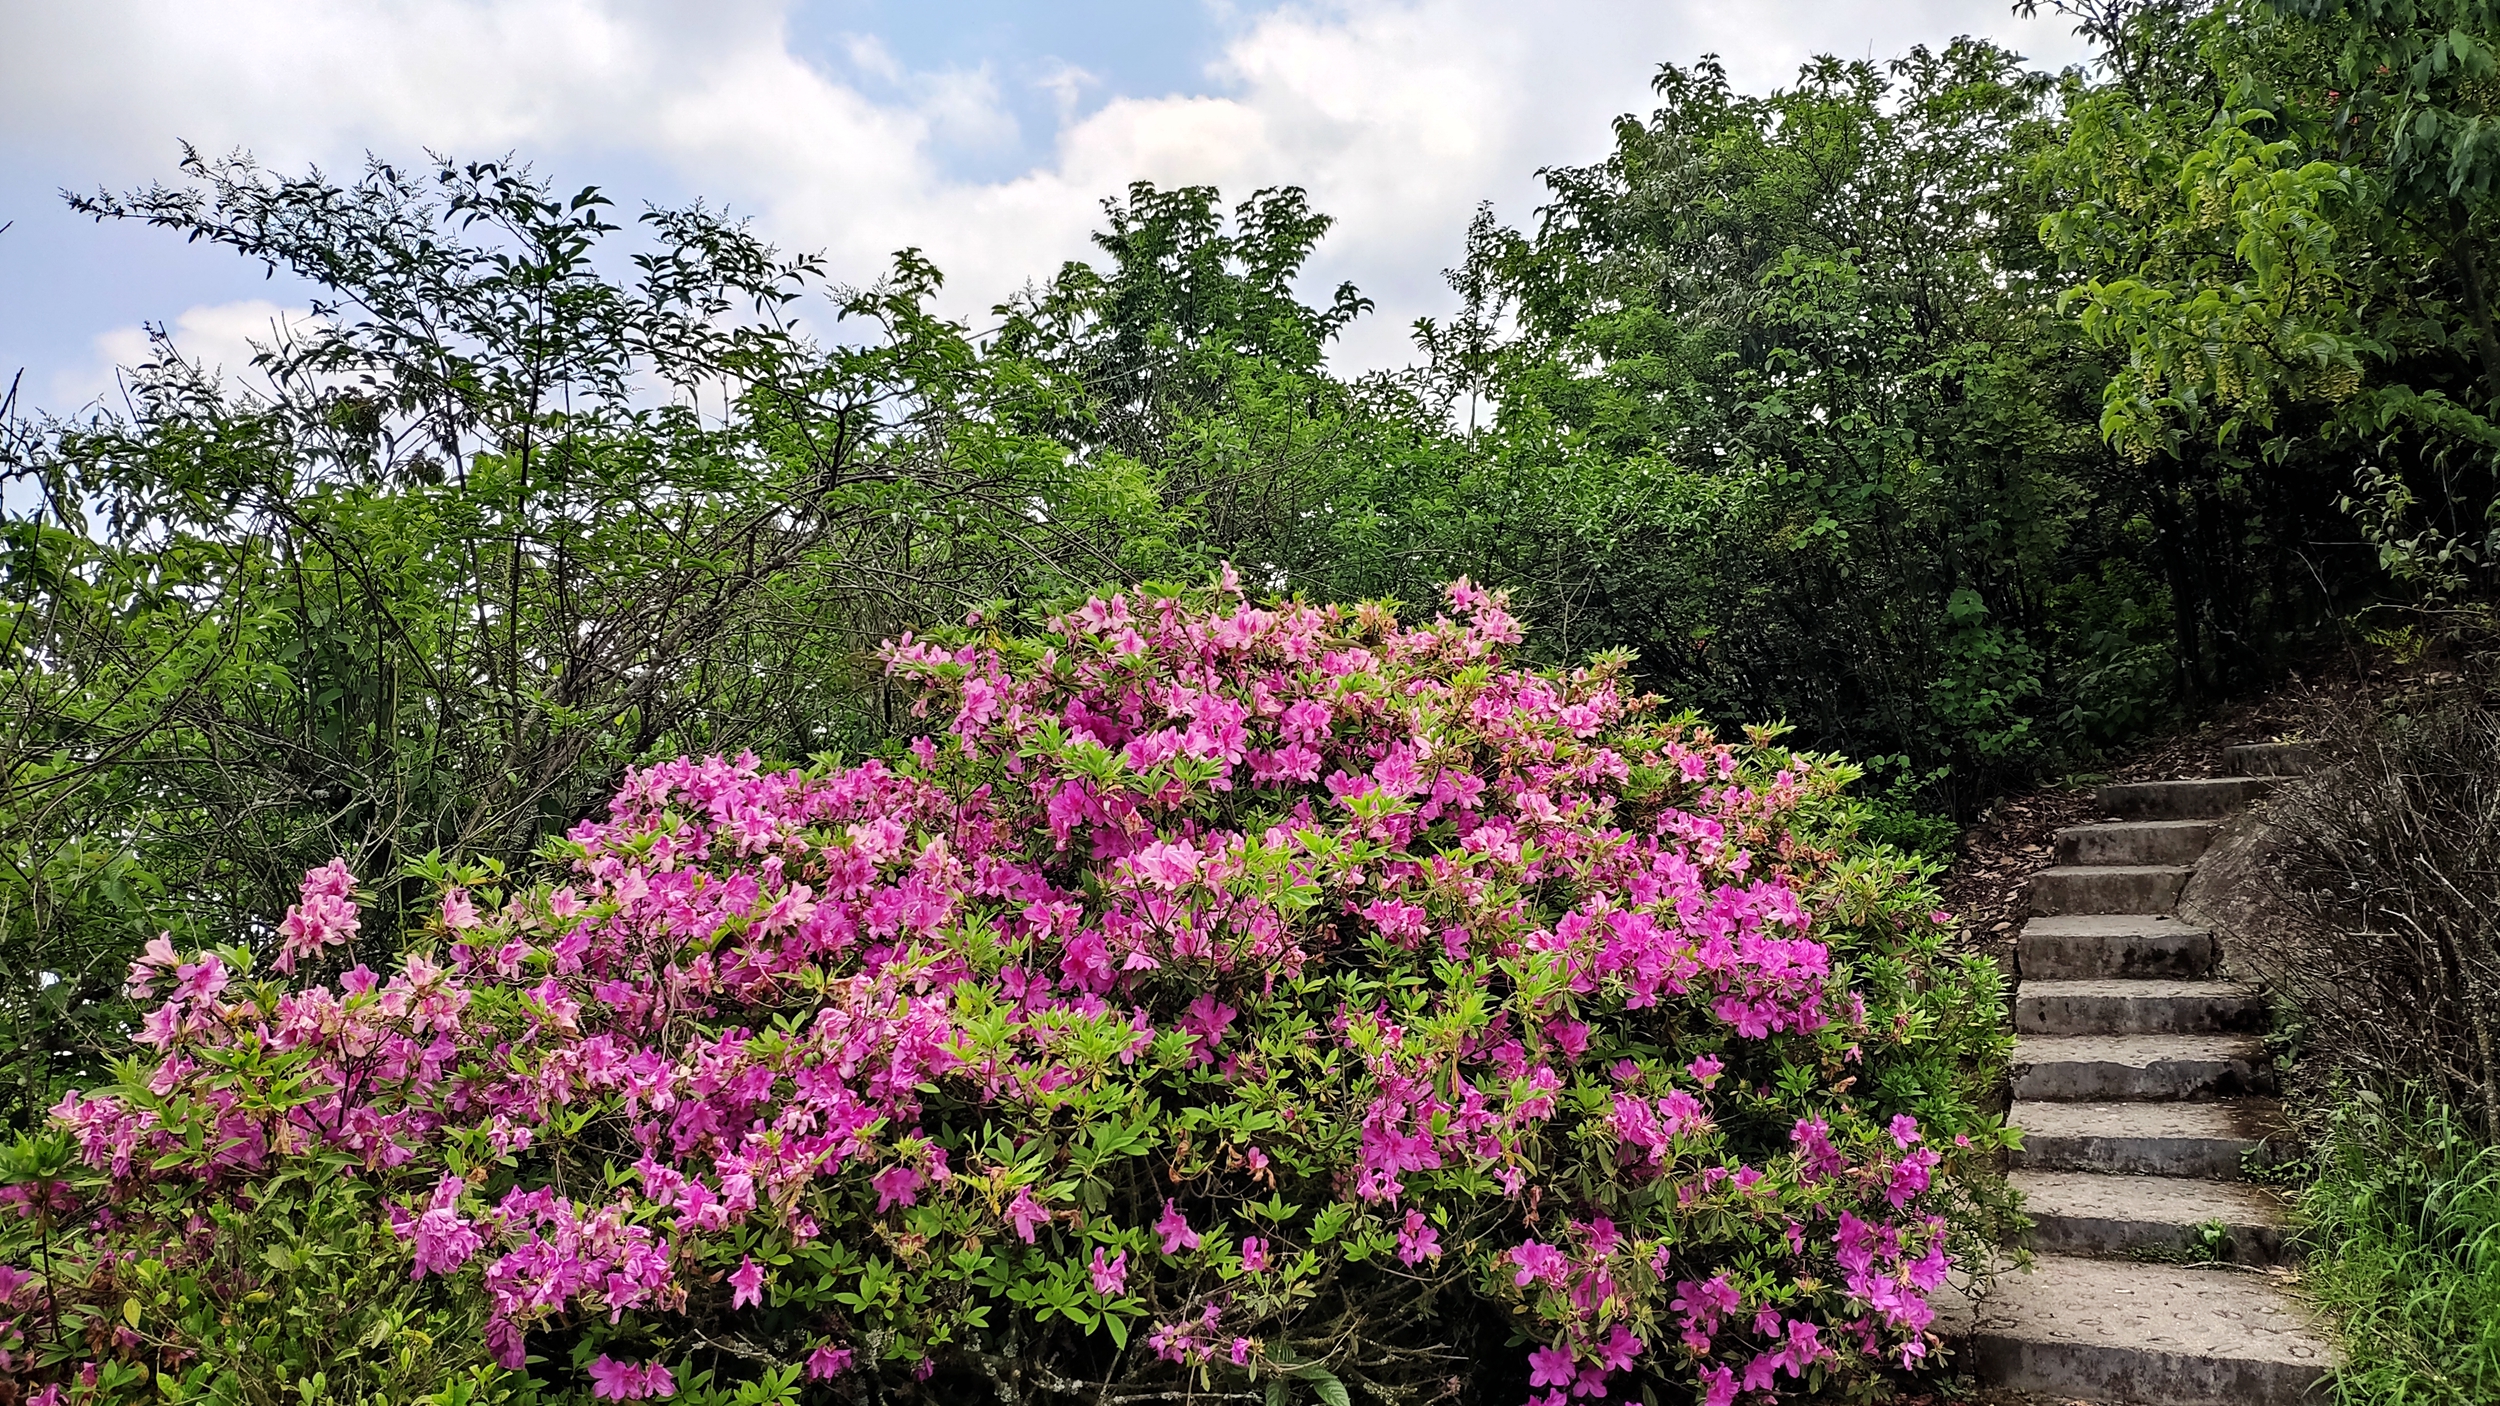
1259,1000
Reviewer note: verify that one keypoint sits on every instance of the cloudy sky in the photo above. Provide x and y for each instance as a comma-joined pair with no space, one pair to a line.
984,131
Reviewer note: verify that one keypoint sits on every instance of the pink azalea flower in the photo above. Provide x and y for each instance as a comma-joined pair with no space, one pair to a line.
444,1239
828,1361
1110,1276
1551,1366
1619,1351
1418,1241
1538,1261
1167,865
1174,1228
896,1186
1024,1213
1208,1019
611,1380
1254,1254
200,981
748,1283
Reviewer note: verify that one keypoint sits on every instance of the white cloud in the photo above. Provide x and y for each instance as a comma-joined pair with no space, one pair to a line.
220,338
1398,115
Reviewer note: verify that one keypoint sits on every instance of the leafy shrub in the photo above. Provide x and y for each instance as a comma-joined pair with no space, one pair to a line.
1898,815
1259,999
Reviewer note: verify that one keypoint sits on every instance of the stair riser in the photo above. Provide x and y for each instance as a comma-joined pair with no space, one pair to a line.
2186,953
2138,1015
2183,800
2110,1237
2134,844
2105,1373
2273,758
2079,1081
2216,1159
2129,891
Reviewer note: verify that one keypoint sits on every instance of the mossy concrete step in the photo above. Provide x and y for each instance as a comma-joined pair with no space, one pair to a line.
2092,1068
2108,888
2136,842
2209,798
2273,758
2214,1140
2136,1217
2109,1330
2084,946
2137,1006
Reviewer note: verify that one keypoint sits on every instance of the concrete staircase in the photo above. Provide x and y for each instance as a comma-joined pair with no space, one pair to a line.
2142,1086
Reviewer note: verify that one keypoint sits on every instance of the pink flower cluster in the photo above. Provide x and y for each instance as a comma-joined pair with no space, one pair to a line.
612,1380
824,1019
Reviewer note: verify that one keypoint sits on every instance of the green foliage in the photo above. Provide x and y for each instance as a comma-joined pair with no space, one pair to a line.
2286,231
1893,815
2403,1229
463,563
296,1294
1781,410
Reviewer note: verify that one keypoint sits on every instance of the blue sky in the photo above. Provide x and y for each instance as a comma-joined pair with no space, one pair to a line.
985,131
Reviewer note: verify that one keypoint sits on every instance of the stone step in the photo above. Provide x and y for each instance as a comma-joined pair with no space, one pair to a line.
2136,842
2273,758
2145,1139
2096,1068
2137,1006
2108,1330
2085,946
2094,1213
2208,799
2108,888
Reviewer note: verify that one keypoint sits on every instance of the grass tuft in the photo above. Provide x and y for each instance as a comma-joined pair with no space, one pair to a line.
2402,1229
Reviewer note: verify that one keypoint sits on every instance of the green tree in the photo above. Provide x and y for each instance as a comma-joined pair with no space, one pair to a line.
1781,409
499,525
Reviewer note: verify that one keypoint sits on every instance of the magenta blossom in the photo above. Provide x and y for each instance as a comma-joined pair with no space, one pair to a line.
1174,1228
611,1380
896,1186
748,1283
1024,1213
1110,1276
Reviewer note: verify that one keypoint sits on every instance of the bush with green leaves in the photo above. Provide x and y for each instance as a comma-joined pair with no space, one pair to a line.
1225,997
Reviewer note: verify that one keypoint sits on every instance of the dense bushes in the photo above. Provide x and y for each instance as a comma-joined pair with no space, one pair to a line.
1270,998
